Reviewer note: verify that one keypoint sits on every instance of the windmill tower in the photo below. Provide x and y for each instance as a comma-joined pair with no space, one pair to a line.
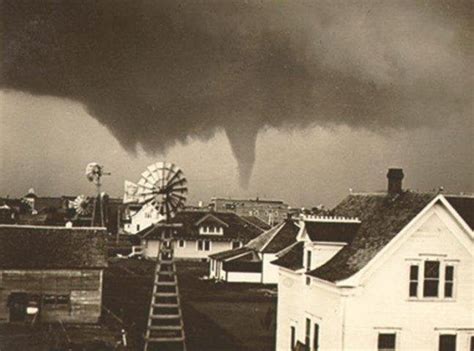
94,174
163,186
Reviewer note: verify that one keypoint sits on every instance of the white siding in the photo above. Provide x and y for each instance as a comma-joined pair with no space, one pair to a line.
270,271
244,277
384,301
320,253
189,251
296,302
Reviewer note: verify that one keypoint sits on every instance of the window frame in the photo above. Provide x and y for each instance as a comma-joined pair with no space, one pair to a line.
452,281
201,245
316,336
443,263
307,333
237,243
447,333
432,279
292,337
387,332
309,258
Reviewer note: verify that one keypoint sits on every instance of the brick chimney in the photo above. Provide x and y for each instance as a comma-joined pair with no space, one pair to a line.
395,177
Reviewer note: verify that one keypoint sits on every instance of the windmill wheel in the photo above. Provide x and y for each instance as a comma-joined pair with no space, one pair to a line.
163,186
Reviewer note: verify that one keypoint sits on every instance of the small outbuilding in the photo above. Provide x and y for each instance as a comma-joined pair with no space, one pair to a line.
51,274
252,263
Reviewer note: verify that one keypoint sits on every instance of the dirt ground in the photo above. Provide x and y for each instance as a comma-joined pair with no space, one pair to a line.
217,316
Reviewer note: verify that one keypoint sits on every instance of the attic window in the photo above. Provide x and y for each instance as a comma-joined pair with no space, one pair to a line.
211,230
432,279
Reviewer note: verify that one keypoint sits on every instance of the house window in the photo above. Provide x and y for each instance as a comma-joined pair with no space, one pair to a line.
292,337
431,279
308,280
204,245
386,342
316,337
414,281
138,227
307,338
447,342
180,243
236,244
308,260
448,281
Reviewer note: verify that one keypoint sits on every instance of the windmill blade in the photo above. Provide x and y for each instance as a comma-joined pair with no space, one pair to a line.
179,197
162,185
153,171
178,174
181,181
182,190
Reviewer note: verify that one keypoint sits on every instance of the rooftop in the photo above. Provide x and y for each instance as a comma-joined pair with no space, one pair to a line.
47,247
382,217
235,227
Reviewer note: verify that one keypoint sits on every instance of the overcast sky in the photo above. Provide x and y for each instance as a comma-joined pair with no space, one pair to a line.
279,99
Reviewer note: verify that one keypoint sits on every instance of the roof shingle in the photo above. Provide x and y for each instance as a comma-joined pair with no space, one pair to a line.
34,247
382,218
332,231
293,258
237,228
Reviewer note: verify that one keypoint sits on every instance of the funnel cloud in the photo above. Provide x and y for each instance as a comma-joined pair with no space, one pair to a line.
157,73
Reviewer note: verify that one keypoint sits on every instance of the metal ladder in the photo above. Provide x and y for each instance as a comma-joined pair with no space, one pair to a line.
165,327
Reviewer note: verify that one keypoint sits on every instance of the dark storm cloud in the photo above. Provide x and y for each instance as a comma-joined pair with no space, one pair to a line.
160,72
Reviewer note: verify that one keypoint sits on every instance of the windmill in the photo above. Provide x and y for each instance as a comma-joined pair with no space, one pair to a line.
94,173
81,205
163,186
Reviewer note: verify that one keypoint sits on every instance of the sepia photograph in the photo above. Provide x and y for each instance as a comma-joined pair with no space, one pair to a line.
236,175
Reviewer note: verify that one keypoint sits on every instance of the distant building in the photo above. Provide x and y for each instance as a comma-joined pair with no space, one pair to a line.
32,209
387,271
269,211
139,217
252,262
51,274
202,234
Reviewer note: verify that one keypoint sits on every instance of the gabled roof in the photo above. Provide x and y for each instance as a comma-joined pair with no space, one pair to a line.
332,231
256,222
275,239
230,253
293,258
33,247
382,217
237,228
211,218
464,206
284,237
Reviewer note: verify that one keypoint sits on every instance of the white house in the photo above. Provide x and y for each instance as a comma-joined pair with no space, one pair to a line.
140,217
252,263
404,281
203,233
